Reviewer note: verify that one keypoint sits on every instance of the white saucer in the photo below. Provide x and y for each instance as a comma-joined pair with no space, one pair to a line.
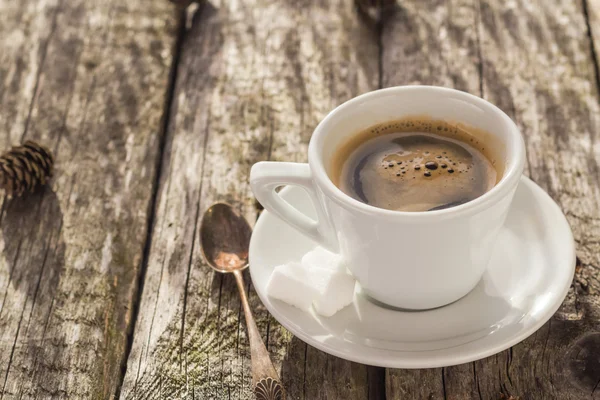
527,279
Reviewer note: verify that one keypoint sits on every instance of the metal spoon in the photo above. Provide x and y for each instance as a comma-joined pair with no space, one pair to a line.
225,238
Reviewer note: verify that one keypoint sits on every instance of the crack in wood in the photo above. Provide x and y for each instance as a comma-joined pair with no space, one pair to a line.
444,383
376,383
478,47
187,280
170,90
304,372
37,286
379,30
44,53
595,387
590,34
10,274
12,352
508,363
2,208
476,380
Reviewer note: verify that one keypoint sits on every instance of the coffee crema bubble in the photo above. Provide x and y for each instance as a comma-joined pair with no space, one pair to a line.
414,165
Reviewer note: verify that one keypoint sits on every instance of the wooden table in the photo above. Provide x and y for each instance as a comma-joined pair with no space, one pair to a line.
153,114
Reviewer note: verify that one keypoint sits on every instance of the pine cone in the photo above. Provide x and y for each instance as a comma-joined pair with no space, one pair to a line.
25,167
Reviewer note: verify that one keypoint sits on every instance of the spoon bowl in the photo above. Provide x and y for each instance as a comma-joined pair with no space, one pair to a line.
225,237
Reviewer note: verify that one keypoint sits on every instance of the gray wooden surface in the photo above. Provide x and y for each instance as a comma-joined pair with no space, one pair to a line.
88,79
154,114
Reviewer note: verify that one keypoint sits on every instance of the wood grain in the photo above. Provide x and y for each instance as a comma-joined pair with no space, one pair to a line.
591,9
89,80
534,60
254,79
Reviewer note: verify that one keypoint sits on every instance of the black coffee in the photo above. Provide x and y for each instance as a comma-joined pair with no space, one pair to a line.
415,165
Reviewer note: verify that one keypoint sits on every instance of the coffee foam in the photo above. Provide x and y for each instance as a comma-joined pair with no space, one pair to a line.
416,164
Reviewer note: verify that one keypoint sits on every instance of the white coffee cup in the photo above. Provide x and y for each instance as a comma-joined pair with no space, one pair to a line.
412,260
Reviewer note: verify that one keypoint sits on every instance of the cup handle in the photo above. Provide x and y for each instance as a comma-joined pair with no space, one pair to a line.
267,176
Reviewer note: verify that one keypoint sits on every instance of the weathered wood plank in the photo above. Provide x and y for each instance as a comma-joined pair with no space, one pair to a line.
539,68
254,79
533,60
88,79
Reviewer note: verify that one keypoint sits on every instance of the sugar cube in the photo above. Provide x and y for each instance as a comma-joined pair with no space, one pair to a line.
335,290
321,258
292,284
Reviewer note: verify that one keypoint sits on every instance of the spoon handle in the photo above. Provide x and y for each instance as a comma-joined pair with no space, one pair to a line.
264,377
